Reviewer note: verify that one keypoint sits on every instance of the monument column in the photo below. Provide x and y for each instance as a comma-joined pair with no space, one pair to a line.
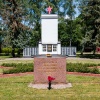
49,43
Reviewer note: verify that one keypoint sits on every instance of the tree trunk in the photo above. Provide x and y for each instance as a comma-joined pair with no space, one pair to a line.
82,49
94,49
18,53
13,52
0,48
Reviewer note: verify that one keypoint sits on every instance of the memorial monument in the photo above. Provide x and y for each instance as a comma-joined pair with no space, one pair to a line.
49,43
49,62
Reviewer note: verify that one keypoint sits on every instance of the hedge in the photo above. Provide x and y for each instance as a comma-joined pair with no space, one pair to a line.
18,68
84,68
70,67
8,50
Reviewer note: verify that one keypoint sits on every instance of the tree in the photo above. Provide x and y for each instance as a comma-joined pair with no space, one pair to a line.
62,31
69,9
3,33
0,39
13,13
0,35
77,33
90,16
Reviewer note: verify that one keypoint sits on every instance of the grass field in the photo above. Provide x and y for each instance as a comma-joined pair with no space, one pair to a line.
4,57
16,88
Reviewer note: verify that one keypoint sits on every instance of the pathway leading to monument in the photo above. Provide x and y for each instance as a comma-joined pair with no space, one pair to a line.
69,58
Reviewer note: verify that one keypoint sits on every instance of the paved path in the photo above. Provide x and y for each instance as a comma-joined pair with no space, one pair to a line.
33,58
69,59
17,59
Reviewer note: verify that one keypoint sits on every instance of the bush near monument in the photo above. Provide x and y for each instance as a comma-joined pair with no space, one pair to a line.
18,68
8,50
84,68
71,67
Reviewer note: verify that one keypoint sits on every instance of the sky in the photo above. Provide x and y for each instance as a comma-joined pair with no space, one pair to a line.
77,12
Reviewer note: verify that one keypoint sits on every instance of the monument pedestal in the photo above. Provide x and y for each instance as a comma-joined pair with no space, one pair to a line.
54,66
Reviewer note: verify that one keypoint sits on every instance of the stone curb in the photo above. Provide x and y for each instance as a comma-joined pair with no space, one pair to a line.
54,86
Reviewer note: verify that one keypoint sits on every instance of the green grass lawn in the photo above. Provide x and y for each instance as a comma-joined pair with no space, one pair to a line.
16,88
4,57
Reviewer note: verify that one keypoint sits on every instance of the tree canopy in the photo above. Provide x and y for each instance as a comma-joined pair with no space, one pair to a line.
21,22
90,16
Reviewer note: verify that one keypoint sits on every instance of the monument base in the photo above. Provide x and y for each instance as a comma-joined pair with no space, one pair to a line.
53,86
54,66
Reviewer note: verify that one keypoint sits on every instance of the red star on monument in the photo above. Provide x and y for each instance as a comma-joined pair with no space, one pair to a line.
49,9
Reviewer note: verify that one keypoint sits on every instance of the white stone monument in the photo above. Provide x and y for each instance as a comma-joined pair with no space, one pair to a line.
49,43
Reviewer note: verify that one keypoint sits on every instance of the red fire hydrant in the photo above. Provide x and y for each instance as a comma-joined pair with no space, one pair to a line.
50,79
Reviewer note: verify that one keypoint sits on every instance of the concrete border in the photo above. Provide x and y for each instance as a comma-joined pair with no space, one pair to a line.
54,86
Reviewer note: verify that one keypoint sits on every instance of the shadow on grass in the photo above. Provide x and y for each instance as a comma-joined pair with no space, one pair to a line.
91,56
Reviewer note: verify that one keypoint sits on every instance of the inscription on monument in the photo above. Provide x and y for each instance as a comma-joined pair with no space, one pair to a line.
48,67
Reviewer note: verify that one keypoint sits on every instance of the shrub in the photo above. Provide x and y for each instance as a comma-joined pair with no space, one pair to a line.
98,64
83,69
4,54
9,64
79,67
95,70
6,50
19,67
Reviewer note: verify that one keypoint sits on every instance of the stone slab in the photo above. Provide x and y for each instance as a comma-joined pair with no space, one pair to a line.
54,86
49,66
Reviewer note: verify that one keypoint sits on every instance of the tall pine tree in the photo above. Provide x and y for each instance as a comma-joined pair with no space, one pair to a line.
91,19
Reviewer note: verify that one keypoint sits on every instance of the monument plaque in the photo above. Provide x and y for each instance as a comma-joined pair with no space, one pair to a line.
54,66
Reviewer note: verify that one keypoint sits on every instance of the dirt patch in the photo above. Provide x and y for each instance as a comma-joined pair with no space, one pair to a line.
83,74
32,73
2,67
